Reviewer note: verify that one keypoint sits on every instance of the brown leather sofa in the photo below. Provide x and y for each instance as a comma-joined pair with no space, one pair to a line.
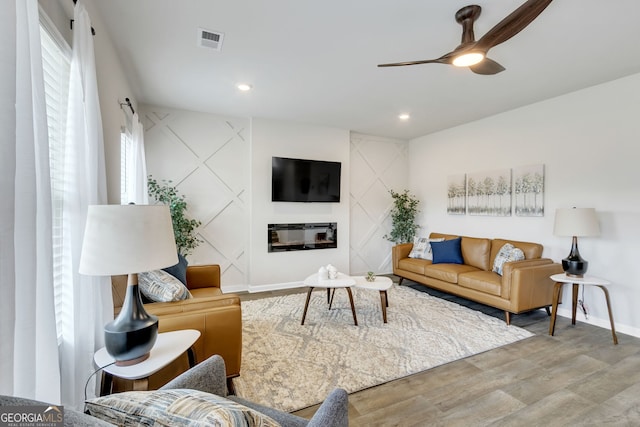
524,285
218,317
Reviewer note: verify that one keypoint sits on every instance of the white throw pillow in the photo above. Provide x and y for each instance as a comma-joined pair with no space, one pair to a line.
422,247
160,286
507,253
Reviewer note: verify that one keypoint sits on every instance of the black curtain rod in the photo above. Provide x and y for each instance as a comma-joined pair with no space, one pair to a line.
128,104
93,32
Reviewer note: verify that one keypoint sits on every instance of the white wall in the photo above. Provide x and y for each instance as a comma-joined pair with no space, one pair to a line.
285,139
588,141
206,156
377,166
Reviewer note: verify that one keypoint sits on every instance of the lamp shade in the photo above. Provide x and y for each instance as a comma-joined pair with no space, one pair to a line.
579,222
123,239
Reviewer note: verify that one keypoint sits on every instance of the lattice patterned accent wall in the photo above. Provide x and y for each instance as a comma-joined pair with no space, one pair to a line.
207,158
377,166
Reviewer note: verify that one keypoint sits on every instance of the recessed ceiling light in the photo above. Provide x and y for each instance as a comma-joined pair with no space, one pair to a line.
244,87
404,116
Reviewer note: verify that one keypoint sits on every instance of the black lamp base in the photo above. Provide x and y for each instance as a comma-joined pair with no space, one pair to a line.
574,265
131,335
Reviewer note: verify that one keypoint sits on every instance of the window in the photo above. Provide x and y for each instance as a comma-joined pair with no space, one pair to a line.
56,63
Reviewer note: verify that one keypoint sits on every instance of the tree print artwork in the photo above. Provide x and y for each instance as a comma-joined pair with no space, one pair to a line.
528,184
489,193
456,194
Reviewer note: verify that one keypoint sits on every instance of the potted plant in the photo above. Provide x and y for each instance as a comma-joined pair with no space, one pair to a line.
403,216
184,229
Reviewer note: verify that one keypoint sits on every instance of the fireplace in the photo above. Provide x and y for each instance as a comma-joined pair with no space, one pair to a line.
300,237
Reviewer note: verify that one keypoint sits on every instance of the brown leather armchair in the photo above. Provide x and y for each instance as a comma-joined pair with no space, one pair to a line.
218,317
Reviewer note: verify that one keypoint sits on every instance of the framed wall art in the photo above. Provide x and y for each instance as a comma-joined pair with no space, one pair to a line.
528,188
489,193
456,194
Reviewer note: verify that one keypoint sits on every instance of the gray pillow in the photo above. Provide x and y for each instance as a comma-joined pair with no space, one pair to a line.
176,407
160,286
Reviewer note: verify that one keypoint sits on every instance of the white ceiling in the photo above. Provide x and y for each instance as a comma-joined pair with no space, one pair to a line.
315,62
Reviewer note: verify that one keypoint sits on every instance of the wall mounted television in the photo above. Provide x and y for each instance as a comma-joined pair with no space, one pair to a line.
300,180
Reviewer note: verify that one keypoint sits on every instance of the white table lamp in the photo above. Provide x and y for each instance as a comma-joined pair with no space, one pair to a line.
128,239
575,222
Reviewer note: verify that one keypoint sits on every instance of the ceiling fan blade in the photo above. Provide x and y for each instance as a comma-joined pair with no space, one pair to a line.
444,59
487,67
400,64
515,22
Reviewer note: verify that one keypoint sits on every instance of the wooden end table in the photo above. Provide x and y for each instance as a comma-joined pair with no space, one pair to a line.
382,284
562,279
342,281
168,347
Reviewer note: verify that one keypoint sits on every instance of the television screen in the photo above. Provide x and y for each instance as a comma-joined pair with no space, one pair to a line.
299,180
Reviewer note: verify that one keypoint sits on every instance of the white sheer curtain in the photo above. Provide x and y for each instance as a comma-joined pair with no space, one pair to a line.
28,341
88,299
136,165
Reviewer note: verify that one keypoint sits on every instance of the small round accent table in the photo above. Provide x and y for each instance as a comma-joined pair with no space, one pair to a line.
382,284
562,279
342,281
168,347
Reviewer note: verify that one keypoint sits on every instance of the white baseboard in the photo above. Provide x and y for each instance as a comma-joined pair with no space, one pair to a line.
234,289
230,289
602,323
275,287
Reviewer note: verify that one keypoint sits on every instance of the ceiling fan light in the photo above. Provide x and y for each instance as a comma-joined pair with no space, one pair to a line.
468,59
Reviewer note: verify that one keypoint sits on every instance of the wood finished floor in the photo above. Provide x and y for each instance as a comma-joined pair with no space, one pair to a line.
575,378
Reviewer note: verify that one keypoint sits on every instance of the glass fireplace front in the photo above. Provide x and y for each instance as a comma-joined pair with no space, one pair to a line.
300,237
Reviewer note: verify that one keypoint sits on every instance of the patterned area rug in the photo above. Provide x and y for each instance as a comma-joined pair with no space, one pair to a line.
289,366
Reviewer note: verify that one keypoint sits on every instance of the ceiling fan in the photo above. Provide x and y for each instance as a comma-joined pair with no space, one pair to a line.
471,53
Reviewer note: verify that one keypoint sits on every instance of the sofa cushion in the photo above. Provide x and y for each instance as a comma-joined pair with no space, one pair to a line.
447,272
205,292
422,247
177,407
507,253
483,281
160,286
413,265
476,252
447,252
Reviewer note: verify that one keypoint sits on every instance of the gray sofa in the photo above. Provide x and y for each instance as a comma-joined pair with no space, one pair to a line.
210,377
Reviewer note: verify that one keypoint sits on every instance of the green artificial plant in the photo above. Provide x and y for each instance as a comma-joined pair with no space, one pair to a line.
403,217
184,229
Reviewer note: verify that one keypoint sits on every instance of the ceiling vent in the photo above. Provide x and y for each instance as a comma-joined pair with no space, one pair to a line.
210,39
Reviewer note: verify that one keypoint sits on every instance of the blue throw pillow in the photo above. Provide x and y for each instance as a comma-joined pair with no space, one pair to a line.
447,252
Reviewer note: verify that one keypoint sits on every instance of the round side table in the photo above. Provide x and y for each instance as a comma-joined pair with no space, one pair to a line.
168,347
562,279
382,284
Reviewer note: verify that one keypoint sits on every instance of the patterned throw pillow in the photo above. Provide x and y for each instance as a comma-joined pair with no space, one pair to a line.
160,286
422,247
179,407
507,253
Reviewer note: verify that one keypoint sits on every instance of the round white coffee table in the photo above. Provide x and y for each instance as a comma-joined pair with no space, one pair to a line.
382,284
342,281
